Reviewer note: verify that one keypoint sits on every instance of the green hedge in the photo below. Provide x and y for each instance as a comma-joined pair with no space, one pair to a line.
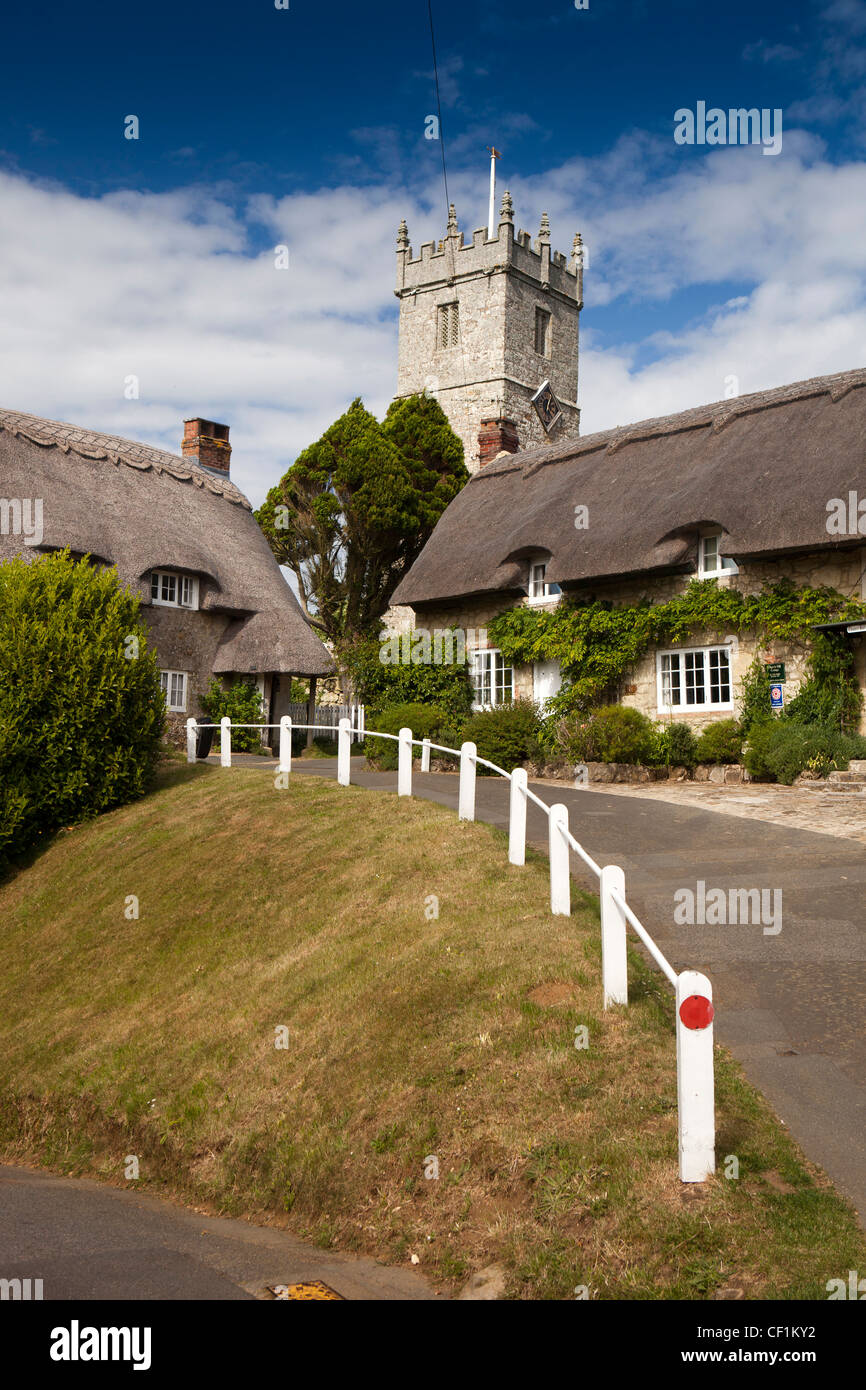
242,704
425,721
784,748
81,709
507,735
721,742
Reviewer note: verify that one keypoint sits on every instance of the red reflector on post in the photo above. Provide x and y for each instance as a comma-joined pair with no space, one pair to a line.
696,1011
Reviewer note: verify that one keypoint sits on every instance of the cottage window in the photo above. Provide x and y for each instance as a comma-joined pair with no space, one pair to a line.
695,680
174,689
448,328
538,585
711,563
492,680
542,332
173,590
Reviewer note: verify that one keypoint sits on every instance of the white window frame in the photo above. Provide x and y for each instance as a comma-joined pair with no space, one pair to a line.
183,586
491,661
721,564
166,680
538,588
686,656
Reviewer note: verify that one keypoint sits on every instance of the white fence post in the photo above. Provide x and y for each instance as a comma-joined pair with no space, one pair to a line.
191,736
225,742
404,762
466,801
614,960
696,1117
425,755
344,752
558,849
517,817
286,743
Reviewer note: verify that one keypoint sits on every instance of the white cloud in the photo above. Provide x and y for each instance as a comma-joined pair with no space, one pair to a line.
180,290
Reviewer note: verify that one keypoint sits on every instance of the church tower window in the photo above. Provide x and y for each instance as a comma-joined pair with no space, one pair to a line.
449,325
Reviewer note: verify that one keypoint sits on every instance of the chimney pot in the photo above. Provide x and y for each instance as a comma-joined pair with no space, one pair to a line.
207,444
496,437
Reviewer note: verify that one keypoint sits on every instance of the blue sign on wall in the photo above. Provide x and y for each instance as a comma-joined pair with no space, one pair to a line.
777,699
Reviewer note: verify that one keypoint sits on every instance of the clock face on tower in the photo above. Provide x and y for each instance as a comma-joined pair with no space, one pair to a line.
547,406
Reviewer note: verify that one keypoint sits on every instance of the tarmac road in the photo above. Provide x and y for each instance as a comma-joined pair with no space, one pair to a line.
85,1240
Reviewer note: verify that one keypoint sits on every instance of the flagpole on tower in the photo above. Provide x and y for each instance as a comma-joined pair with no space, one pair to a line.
494,155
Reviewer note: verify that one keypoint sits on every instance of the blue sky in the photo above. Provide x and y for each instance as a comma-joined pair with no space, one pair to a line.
154,258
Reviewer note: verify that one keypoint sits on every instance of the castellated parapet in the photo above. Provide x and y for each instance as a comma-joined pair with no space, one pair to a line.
484,324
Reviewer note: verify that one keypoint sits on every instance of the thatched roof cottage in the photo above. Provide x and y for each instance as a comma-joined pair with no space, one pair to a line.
181,535
747,491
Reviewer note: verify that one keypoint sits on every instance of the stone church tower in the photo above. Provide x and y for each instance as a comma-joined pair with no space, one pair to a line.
488,326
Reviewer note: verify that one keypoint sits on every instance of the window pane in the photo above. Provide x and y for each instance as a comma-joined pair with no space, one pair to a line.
163,680
720,678
694,669
154,585
671,694
711,553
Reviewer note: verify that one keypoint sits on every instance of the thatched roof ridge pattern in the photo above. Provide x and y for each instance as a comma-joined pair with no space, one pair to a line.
90,444
761,467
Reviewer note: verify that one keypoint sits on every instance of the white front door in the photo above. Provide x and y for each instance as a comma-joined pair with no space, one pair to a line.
546,680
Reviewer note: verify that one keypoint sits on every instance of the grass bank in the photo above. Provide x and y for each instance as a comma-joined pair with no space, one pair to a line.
410,1037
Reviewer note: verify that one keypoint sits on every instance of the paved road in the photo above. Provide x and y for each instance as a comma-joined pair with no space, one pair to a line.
88,1241
791,1006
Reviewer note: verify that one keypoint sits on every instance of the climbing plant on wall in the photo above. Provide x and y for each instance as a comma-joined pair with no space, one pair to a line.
596,643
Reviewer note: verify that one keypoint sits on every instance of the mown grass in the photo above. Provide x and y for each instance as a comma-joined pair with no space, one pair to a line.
410,1036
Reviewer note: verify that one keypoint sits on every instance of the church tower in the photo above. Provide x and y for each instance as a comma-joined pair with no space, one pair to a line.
491,330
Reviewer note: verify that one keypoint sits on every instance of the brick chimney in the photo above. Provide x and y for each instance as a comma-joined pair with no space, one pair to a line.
496,437
207,444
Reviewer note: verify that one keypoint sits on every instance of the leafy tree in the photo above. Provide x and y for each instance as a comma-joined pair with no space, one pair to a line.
380,685
81,709
354,510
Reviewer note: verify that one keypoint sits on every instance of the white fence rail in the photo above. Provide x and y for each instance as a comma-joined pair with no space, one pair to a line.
327,718
693,991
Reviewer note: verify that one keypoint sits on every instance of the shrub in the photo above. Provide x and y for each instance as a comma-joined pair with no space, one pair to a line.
721,742
242,704
381,684
755,696
611,734
507,735
677,746
785,748
425,721
81,709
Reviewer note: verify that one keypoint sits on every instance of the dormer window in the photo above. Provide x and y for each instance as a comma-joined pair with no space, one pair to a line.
711,563
173,590
538,586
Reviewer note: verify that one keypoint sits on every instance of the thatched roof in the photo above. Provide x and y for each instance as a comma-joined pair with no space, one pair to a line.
761,467
141,508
